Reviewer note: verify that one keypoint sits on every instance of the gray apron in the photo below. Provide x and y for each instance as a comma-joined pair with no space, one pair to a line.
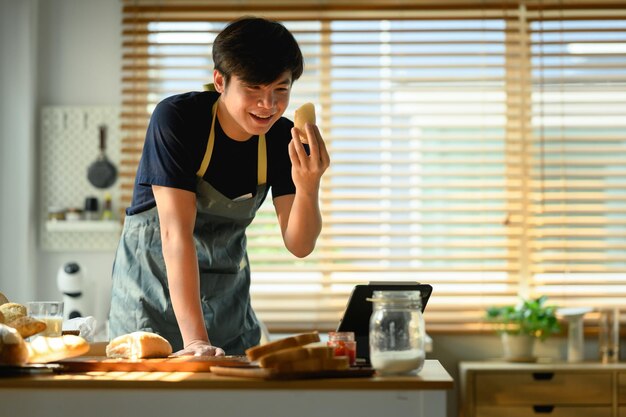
140,298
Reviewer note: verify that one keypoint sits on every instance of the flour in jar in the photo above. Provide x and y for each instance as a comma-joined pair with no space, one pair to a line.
397,362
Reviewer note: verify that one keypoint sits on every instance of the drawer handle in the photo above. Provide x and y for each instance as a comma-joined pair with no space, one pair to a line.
543,409
543,376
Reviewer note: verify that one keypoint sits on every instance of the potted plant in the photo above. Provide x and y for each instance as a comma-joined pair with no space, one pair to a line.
520,325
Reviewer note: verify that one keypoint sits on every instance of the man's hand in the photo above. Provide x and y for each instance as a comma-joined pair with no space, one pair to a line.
307,170
200,348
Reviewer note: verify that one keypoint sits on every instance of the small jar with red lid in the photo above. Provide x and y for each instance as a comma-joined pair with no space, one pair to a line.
343,344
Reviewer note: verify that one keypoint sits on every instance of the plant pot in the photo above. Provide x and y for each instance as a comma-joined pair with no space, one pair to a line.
518,347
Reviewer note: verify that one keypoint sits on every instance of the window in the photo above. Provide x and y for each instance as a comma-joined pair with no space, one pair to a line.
478,148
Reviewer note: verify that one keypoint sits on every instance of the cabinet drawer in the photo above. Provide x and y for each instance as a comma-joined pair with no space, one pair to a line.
554,388
558,411
621,391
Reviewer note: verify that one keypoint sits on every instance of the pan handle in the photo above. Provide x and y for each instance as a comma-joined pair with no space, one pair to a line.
103,137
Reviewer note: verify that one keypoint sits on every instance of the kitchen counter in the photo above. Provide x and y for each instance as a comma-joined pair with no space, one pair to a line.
165,393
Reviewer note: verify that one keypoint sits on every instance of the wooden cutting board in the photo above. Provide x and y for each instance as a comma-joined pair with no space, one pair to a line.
252,371
172,364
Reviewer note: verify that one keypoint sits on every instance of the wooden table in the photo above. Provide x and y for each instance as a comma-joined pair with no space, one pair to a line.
202,394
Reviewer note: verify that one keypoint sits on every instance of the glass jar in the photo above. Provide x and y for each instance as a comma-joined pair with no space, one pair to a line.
397,332
343,344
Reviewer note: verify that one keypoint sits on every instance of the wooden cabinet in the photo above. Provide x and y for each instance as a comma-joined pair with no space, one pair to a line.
495,389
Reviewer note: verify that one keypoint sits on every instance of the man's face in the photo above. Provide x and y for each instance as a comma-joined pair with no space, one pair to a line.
248,110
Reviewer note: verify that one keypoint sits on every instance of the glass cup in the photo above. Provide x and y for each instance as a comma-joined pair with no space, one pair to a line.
50,312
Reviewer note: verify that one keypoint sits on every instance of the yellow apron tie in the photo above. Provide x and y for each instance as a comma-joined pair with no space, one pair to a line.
262,152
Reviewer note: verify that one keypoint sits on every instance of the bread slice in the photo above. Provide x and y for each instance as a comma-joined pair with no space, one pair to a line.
296,354
51,349
304,114
13,350
339,363
138,345
254,353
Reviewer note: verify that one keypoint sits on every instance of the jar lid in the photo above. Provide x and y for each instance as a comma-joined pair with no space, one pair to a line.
341,336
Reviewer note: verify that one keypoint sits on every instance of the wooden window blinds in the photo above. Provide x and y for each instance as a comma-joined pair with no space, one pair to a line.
476,146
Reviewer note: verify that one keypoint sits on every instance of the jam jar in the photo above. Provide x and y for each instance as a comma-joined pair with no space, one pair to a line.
397,332
343,344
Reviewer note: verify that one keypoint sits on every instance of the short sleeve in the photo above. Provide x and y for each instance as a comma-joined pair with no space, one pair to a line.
167,159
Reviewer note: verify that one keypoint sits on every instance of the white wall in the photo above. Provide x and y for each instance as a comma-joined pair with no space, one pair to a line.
80,59
54,52
18,103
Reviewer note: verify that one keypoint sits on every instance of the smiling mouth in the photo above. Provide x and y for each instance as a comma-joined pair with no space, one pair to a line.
261,118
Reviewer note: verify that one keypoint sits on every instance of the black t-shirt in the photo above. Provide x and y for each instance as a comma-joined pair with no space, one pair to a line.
176,142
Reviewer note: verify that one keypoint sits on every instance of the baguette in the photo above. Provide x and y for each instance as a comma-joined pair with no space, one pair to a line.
51,349
139,345
294,355
13,350
28,326
256,352
303,115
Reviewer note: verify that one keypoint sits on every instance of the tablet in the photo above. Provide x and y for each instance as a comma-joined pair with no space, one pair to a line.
356,317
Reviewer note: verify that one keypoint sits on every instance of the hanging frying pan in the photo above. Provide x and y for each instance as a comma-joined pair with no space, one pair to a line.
102,173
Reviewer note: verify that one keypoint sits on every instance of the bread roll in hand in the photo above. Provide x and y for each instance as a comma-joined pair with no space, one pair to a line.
304,114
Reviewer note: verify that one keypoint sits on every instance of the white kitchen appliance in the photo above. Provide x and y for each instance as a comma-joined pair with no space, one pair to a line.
575,334
71,283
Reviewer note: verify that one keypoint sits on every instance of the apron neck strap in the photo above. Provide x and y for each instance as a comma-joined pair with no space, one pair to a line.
262,150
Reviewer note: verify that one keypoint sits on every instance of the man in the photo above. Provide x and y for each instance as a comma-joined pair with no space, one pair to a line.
181,269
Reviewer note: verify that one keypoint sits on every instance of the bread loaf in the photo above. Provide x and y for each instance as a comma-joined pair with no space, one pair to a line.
13,350
304,114
51,349
12,311
139,345
3,299
254,353
28,326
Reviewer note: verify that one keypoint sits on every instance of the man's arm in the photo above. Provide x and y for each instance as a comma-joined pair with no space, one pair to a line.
177,217
299,214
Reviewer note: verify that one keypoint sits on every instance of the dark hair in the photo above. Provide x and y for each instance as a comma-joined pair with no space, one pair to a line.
257,50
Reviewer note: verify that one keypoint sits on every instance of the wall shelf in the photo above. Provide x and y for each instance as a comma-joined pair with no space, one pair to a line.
100,226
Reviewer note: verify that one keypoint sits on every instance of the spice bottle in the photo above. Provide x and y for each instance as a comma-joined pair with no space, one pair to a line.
107,209
397,332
